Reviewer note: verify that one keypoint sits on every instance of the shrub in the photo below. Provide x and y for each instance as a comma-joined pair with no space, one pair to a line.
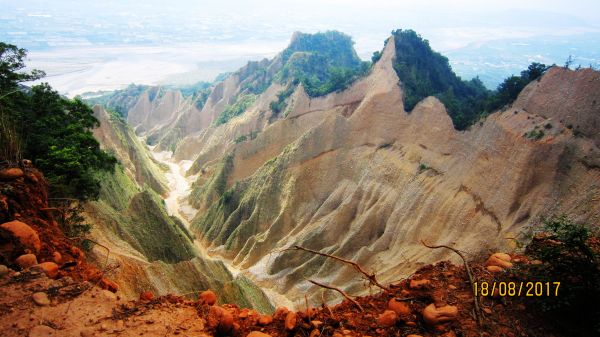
570,255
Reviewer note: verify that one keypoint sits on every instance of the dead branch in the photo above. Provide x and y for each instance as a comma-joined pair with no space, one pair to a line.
469,273
339,291
371,277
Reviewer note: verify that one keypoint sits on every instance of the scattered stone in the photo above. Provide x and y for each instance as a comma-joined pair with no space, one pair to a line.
411,324
41,298
452,287
23,234
257,334
265,320
400,308
494,269
387,319
316,324
208,297
42,331
220,319
57,257
109,285
419,284
11,173
280,313
413,335
3,270
487,311
435,316
146,296
290,321
501,260
26,261
49,268
315,333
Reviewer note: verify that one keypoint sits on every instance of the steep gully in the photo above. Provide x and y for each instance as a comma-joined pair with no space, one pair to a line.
177,205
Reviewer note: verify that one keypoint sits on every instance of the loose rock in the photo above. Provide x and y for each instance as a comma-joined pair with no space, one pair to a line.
3,270
387,319
265,320
419,284
400,308
41,299
220,319
11,173
290,321
26,261
146,296
208,297
435,316
23,235
49,268
257,334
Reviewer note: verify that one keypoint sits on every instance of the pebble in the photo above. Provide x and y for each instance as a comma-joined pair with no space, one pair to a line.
42,331
3,270
25,261
41,298
257,334
290,321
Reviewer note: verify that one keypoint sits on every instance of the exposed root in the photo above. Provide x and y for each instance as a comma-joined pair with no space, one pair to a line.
339,291
469,273
370,276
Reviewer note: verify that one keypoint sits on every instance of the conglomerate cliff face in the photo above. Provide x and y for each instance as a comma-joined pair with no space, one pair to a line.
352,174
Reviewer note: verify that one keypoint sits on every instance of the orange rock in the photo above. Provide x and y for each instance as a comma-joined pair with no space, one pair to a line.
411,324
404,292
290,321
11,173
265,320
315,333
387,319
413,335
419,284
49,268
494,269
281,312
452,287
109,285
400,308
435,316
23,234
26,261
244,313
220,319
146,296
208,297
449,334
57,257
501,260
257,334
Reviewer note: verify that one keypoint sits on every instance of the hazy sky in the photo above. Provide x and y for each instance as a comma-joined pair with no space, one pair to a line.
86,44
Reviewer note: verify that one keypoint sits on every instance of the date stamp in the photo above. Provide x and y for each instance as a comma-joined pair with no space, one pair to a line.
516,289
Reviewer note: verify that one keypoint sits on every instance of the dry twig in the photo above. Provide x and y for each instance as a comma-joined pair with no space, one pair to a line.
469,273
371,277
339,291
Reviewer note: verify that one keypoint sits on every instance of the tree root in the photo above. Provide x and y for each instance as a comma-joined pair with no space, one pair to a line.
469,273
339,291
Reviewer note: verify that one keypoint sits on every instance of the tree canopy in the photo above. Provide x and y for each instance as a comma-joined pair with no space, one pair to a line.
51,130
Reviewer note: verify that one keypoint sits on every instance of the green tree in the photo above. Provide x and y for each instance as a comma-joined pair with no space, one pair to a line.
53,131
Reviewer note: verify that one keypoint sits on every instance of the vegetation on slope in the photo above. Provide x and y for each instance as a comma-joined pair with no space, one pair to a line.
322,62
242,103
52,131
120,101
424,72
